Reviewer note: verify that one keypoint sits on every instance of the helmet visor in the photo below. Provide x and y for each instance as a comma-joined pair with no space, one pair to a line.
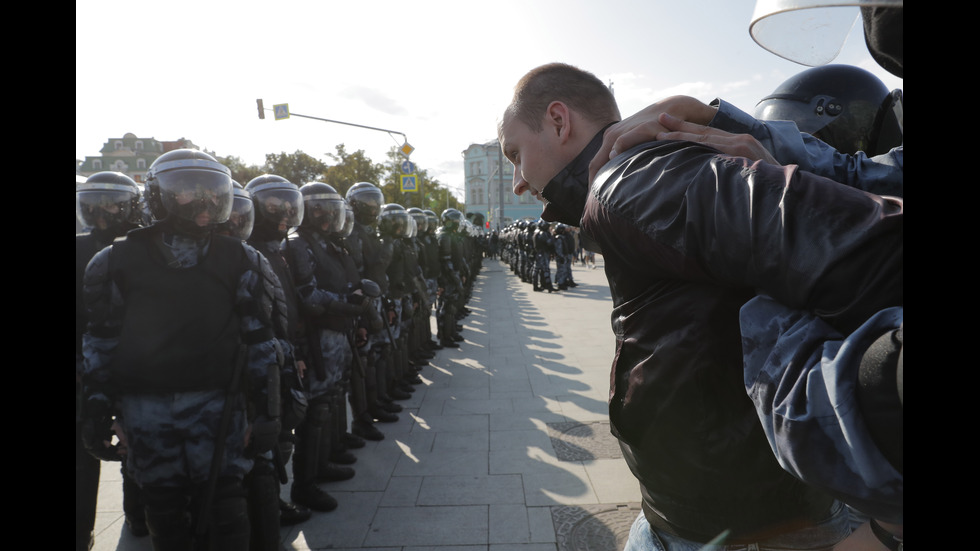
282,207
203,197
242,218
348,222
325,212
105,207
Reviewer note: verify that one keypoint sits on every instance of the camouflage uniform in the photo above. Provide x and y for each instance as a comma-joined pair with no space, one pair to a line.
170,416
325,277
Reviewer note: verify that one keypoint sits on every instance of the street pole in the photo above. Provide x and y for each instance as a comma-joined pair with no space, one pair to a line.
500,182
490,193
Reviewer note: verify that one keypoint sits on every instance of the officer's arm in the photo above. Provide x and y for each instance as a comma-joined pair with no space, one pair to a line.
264,357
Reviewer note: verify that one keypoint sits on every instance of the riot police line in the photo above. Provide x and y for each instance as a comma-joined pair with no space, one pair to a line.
225,332
529,246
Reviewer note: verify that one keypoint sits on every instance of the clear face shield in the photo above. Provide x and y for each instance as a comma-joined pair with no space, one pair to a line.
325,212
809,32
421,223
279,207
368,206
242,218
103,206
202,197
348,221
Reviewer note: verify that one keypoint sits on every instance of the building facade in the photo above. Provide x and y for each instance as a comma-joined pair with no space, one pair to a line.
129,155
488,181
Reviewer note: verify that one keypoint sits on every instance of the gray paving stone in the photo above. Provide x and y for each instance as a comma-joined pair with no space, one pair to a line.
429,526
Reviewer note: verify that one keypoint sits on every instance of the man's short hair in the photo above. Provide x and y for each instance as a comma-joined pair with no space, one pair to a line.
580,90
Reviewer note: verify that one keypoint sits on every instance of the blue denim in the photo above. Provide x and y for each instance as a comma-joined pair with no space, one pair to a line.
820,537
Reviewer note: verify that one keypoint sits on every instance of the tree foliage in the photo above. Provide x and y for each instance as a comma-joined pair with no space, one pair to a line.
299,168
240,172
348,168
351,168
431,194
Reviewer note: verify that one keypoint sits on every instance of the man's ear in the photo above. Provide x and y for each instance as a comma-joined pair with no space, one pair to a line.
558,120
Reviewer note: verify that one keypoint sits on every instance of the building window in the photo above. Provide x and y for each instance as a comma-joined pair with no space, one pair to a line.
141,164
97,164
118,145
139,145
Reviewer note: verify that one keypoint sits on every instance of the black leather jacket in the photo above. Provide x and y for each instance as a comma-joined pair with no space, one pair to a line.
687,236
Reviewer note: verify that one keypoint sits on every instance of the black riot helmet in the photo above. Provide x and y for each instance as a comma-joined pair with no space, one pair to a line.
365,199
242,218
108,201
433,222
452,219
190,190
542,225
324,208
394,220
844,106
421,220
278,205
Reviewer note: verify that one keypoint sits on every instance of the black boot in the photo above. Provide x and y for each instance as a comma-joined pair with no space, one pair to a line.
338,443
264,514
326,470
292,513
305,491
364,428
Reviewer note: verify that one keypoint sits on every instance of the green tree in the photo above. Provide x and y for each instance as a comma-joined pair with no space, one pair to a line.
351,168
299,168
240,172
431,193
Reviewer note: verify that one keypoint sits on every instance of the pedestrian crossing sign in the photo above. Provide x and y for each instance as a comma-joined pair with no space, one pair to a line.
409,183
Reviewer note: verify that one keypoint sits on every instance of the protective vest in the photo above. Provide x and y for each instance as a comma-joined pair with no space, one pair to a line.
334,271
180,329
376,256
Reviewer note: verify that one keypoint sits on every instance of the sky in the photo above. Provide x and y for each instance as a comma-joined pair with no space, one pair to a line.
438,72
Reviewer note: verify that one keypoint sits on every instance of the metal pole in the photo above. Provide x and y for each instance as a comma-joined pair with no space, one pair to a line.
500,181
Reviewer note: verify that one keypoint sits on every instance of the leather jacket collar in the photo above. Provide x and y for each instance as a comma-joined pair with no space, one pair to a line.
566,193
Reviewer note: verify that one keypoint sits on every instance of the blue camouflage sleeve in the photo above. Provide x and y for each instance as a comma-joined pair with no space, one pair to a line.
802,376
105,309
256,297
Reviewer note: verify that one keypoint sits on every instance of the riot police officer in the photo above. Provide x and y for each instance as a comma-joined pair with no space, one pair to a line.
544,248
277,206
180,347
332,303
372,259
107,206
451,278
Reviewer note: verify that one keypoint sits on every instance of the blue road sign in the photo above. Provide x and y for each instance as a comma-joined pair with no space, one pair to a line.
409,183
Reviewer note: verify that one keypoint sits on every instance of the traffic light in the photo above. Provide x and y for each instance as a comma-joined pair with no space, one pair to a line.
261,109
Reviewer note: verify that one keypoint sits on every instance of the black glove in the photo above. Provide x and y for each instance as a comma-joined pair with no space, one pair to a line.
372,318
96,430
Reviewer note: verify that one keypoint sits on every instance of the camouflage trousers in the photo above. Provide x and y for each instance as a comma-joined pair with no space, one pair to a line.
171,437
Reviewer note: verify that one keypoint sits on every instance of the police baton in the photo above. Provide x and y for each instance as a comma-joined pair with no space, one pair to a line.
218,459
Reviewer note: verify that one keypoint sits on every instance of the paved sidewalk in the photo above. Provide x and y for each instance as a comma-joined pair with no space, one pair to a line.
505,447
